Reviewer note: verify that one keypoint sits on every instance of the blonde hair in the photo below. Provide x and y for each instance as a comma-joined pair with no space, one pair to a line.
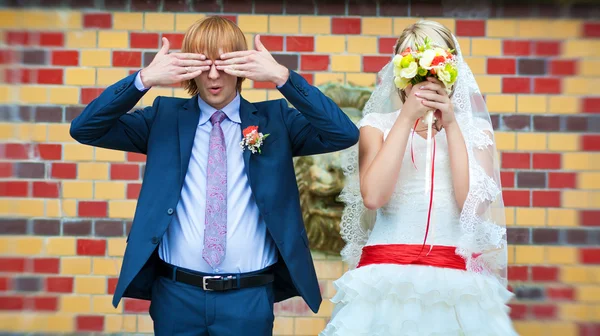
416,33
212,36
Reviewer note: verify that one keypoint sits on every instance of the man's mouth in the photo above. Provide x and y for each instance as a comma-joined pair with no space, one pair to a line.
215,89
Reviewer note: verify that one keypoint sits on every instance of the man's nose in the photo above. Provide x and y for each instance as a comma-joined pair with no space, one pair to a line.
213,73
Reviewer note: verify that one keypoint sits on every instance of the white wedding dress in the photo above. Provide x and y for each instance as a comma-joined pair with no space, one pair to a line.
391,299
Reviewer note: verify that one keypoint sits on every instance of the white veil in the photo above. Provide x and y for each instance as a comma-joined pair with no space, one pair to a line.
482,240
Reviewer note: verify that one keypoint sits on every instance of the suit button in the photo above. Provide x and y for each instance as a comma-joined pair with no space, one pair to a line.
170,211
154,240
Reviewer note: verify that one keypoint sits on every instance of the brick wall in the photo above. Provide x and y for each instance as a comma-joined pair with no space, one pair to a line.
66,208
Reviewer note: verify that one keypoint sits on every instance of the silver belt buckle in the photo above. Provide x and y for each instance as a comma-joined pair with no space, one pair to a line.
204,278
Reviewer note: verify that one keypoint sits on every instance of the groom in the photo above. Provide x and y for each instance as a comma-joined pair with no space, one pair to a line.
217,236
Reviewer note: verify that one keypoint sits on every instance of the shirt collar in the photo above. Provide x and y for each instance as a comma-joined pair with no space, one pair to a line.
231,110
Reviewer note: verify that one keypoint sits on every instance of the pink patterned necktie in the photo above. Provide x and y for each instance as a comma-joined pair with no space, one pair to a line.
215,223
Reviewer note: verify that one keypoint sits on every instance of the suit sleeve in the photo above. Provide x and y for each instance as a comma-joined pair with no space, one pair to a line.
106,122
316,125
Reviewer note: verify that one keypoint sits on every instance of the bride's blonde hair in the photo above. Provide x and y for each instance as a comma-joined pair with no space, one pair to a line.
416,33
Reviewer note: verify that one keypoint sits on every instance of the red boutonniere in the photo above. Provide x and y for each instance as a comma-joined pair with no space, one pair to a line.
252,139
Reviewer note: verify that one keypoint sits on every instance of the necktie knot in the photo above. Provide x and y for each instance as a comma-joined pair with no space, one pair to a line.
217,117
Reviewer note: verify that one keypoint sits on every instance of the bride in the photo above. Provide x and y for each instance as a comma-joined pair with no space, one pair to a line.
411,275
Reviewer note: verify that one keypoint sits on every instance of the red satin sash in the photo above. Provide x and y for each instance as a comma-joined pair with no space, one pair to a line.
401,254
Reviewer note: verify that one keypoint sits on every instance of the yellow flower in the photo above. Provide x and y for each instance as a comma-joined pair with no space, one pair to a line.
400,82
410,71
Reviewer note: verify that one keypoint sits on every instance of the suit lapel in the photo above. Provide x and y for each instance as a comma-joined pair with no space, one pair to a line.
188,116
249,118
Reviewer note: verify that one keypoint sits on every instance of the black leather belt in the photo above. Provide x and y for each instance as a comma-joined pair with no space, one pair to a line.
215,282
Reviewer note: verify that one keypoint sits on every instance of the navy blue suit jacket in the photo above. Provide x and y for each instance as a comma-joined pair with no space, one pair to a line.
165,133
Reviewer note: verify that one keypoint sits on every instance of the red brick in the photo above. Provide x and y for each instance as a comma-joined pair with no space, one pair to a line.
272,42
89,94
232,18
542,273
308,77
374,63
59,285
65,57
520,198
547,48
50,76
590,142
6,169
507,179
501,66
518,273
314,62
12,303
516,85
90,323
133,190
591,29
111,285
92,209
4,284
544,311
561,180
547,161
136,306
591,105
12,265
18,76
563,67
547,85
263,85
46,189
386,45
300,43
518,311
175,40
136,157
125,171
516,160
64,170
589,329
589,217
91,247
52,39
516,48
17,38
470,27
544,198
46,265
14,188
97,20
15,150
130,59
45,303
143,40
556,293
8,56
49,151
345,25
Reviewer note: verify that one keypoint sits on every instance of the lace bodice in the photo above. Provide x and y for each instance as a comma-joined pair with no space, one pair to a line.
403,219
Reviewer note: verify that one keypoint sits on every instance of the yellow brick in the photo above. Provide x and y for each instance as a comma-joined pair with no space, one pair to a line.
10,19
531,104
75,304
501,103
505,141
486,47
76,265
113,39
61,208
90,285
8,131
64,95
315,25
561,329
253,23
581,199
561,255
402,23
106,266
581,161
151,95
488,84
574,312
33,94
77,189
116,247
578,86
96,58
361,79
103,305
181,93
283,326
533,28
284,24
109,190
531,141
114,323
72,20
121,209
59,133
80,76
35,322
581,48
145,324
510,215
24,207
309,325
8,94
501,28
324,78
274,95
563,105
531,217
82,39
465,45
92,171
77,152
590,181
562,217
529,254
29,246
563,29
40,19
109,155
162,22
8,246
330,44
328,269
362,45
589,68
128,21
588,294
477,65
60,324
528,328
32,132
255,95
345,63
376,26
184,21
563,142
60,246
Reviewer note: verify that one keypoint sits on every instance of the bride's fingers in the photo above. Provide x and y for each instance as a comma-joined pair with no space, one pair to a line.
431,96
433,104
434,87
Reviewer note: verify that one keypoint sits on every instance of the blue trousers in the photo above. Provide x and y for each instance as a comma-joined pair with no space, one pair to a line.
184,310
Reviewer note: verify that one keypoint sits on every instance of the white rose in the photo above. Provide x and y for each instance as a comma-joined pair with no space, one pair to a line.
400,83
443,75
410,71
426,59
